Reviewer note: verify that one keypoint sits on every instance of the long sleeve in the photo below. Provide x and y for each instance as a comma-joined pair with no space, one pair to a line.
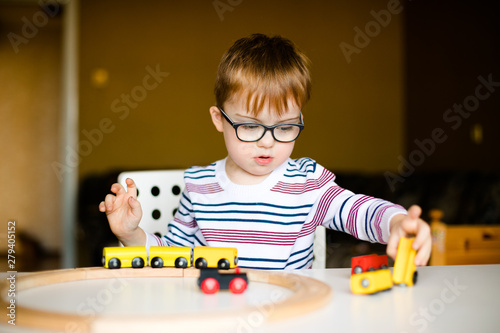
361,216
334,207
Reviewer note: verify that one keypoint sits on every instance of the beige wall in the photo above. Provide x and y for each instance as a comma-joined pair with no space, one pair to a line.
29,139
353,122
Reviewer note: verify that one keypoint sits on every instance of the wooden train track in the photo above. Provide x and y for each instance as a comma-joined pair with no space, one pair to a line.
307,295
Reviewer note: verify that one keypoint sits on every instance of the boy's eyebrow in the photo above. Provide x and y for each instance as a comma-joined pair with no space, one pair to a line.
284,121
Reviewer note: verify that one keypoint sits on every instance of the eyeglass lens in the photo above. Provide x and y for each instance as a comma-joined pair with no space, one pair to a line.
254,132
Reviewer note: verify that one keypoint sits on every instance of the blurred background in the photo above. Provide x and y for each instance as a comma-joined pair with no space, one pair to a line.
405,106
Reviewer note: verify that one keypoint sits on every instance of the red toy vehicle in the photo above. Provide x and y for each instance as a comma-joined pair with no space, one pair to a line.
368,263
211,280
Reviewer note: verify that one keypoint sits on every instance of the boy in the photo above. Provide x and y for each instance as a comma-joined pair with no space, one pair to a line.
257,199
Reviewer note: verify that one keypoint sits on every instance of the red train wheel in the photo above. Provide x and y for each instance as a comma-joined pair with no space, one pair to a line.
210,286
237,285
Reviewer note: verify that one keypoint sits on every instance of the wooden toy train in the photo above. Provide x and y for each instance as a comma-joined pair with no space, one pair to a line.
370,274
170,256
207,259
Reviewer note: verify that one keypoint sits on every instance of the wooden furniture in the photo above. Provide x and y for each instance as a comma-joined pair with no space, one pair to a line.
463,244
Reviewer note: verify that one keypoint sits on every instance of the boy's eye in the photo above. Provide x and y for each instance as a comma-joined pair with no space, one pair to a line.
285,128
250,127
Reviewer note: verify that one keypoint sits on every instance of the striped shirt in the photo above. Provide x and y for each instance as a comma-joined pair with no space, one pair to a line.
272,223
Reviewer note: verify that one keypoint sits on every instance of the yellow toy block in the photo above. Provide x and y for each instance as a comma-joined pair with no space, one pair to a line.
371,282
128,256
404,272
215,257
169,256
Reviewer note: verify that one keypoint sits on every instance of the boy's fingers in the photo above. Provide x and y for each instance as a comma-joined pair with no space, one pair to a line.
414,212
392,246
135,205
102,207
410,223
109,200
422,234
115,187
423,253
131,187
409,227
423,245
118,189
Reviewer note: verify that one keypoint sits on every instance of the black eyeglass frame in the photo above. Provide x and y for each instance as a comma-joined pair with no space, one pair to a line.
266,128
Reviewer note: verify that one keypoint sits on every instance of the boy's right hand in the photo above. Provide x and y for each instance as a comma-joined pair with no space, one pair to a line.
124,212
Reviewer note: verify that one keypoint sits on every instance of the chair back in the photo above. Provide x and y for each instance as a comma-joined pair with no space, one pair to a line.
159,192
319,248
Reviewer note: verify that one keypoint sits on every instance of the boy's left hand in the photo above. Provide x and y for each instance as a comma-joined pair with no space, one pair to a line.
411,224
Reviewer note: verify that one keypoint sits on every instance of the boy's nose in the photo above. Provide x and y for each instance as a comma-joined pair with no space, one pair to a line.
267,140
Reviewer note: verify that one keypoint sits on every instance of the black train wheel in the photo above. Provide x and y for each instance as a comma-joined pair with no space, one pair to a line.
181,262
223,264
137,262
114,263
201,263
157,262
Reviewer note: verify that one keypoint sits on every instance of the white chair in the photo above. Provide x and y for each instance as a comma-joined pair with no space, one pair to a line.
319,248
159,193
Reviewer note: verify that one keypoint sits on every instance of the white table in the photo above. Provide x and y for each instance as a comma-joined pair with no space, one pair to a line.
445,299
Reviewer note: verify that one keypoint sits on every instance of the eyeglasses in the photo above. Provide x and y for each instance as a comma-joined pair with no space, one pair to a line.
251,132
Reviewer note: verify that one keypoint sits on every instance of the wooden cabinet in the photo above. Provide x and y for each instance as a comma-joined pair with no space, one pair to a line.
464,244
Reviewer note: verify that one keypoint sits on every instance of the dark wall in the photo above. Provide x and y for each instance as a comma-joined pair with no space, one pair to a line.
452,51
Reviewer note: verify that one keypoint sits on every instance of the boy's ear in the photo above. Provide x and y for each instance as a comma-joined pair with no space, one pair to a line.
216,118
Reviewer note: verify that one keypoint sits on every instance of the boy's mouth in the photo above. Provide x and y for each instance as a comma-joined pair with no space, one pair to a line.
263,160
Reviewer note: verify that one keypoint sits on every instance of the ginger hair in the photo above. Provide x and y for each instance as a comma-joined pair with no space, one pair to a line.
262,70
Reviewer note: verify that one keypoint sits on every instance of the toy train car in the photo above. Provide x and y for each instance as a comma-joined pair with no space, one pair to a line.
371,282
370,274
405,271
130,256
367,263
167,256
211,280
215,257
170,256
